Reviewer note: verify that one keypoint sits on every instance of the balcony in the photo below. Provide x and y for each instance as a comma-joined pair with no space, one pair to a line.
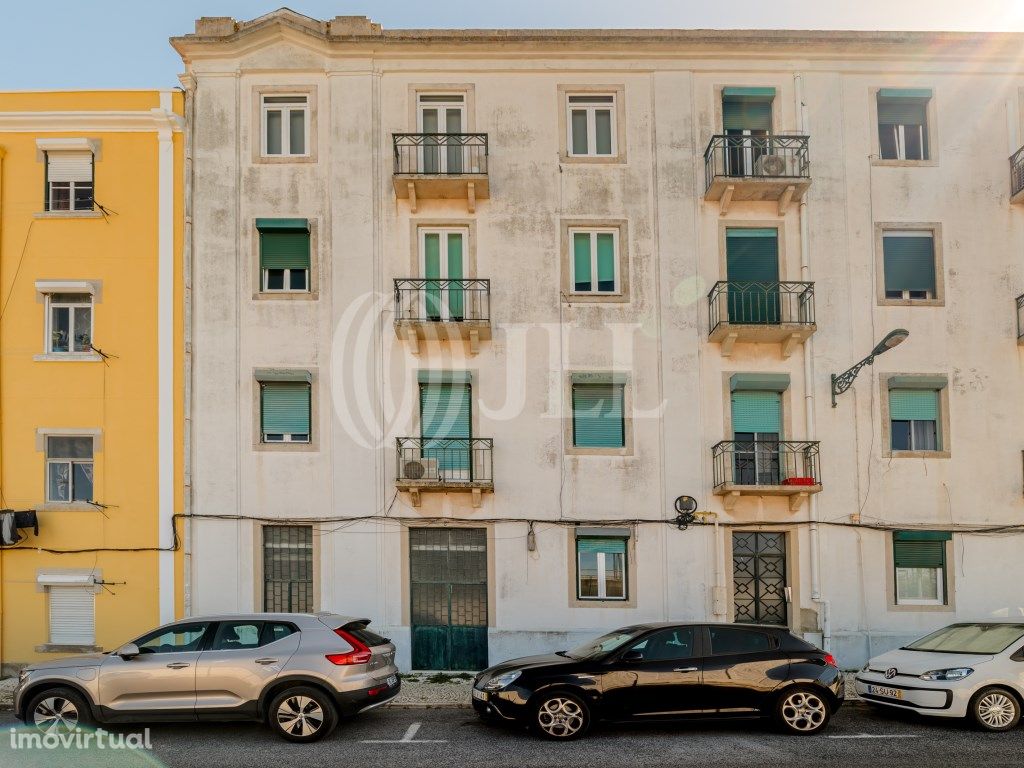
443,310
441,166
1020,320
445,464
756,168
765,468
761,313
1017,176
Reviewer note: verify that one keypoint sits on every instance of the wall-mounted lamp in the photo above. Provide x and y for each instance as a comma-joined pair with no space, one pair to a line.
843,381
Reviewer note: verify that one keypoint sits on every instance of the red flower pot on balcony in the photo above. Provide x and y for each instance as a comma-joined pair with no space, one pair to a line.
798,481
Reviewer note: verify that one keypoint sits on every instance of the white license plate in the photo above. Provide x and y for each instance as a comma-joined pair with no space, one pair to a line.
881,690
481,695
391,681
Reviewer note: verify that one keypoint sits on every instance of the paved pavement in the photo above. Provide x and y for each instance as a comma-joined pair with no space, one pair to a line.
394,737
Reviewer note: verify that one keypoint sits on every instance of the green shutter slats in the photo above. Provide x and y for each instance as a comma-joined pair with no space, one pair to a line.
597,420
909,262
922,535
606,545
285,407
919,554
902,110
757,412
444,411
913,405
752,255
296,225
747,113
284,249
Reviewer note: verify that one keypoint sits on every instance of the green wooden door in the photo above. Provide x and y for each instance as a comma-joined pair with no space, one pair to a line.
445,419
752,269
448,587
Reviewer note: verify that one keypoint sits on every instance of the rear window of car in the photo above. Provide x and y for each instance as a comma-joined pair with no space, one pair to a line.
274,631
970,638
365,636
729,640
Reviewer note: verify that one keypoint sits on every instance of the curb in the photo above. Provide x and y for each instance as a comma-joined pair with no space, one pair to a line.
428,705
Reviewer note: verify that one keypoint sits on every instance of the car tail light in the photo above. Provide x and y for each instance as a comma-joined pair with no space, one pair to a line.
375,691
830,660
359,654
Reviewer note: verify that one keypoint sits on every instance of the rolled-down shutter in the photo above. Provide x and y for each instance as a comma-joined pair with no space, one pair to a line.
69,166
601,544
597,420
913,405
285,407
902,110
759,412
909,262
752,255
72,615
284,243
920,549
747,113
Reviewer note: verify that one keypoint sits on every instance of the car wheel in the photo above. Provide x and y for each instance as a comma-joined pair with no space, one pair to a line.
302,714
58,710
802,711
561,716
995,709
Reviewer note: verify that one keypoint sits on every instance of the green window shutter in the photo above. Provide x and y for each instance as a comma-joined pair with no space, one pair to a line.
605,261
283,247
285,407
582,280
909,262
747,113
597,420
752,255
600,544
757,411
444,411
902,110
918,553
913,405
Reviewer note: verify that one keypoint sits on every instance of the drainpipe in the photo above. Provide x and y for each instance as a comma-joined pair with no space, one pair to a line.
189,84
824,612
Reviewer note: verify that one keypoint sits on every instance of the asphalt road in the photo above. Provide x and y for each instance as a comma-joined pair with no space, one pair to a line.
393,738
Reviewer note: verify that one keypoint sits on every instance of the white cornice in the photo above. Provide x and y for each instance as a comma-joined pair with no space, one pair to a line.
90,121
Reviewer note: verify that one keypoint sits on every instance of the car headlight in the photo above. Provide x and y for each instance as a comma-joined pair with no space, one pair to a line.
957,673
502,681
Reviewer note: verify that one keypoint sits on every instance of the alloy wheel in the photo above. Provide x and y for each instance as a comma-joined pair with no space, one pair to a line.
804,711
996,709
560,717
300,716
55,714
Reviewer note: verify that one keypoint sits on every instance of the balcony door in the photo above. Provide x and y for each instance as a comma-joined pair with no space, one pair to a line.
757,427
747,122
441,114
442,261
445,426
752,269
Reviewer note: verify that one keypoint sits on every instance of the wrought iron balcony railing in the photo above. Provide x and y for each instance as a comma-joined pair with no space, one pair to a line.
774,156
445,460
750,303
440,154
1020,319
1017,173
428,300
766,463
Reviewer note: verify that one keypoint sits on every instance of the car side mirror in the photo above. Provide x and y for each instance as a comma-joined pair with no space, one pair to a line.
631,657
127,651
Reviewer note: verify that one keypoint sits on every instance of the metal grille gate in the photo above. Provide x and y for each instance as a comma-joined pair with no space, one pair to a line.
448,575
759,577
288,568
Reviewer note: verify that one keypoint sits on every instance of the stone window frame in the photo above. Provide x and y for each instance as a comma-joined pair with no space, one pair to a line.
949,606
573,572
627,448
256,125
935,228
568,296
276,373
931,115
313,294
944,433
565,90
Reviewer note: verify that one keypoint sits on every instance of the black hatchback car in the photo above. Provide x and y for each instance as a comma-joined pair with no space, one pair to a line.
652,672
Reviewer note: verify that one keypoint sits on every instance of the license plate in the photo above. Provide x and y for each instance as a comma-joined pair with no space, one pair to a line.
480,695
391,681
889,693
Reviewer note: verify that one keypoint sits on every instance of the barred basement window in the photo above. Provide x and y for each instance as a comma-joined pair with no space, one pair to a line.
288,568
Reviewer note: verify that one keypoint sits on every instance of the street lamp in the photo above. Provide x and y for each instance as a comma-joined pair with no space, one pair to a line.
844,380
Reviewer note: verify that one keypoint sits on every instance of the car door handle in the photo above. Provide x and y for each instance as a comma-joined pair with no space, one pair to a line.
685,669
177,665
266,660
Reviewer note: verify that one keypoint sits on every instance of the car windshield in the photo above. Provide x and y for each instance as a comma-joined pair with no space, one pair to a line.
603,644
970,638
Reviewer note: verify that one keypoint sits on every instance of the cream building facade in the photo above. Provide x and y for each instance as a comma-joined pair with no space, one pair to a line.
591,272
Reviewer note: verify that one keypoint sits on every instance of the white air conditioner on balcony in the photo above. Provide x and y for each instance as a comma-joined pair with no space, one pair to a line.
420,469
771,165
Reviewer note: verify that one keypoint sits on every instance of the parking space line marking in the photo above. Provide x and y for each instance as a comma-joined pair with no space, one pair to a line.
408,738
879,736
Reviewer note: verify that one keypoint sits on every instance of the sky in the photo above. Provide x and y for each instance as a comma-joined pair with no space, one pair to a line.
123,43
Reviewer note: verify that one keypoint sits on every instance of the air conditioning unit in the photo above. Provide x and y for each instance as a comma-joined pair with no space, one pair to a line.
770,165
420,469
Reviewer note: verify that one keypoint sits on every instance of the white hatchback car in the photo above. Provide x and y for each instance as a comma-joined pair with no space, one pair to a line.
971,670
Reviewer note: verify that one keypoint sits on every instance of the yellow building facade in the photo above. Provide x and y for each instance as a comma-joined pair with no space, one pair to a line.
91,233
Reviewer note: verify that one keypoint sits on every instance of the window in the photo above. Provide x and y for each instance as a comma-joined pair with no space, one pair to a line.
72,615
747,122
597,416
439,114
69,468
181,638
752,269
729,640
909,264
285,411
284,255
442,263
595,255
274,631
668,645
285,125
69,323
914,419
591,125
757,427
69,180
903,123
288,568
601,568
919,561
237,635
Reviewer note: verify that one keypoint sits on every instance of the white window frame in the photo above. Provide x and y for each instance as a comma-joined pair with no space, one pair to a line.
286,437
594,232
71,470
71,306
602,576
455,101
285,109
72,188
265,274
591,109
939,583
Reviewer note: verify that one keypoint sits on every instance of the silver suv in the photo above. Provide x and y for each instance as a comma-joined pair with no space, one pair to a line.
300,672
